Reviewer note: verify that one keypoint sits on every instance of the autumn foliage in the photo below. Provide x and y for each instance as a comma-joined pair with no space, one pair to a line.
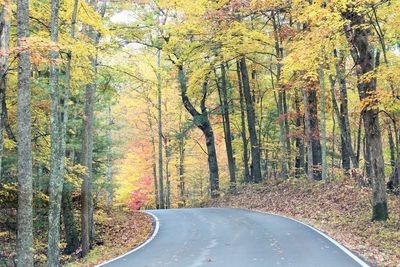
141,196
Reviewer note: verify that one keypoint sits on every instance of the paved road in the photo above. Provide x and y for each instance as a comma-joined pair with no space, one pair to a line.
234,238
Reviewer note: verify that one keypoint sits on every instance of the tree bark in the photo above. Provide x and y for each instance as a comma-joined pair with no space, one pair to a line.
299,164
227,128
203,123
87,228
5,26
153,155
70,231
247,177
314,134
251,120
109,162
181,170
307,119
24,147
56,180
362,53
167,174
323,124
160,134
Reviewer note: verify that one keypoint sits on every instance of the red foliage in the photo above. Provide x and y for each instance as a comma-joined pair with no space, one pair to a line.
141,196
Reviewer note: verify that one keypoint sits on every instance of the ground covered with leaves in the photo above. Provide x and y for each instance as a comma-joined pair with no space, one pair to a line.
120,232
117,232
342,209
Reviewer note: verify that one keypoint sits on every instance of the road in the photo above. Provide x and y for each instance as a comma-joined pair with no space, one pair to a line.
234,238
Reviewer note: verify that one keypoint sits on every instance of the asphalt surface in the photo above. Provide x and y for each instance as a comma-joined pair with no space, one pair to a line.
234,238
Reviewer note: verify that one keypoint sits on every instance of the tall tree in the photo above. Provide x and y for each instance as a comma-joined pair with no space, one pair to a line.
87,226
160,133
56,180
362,53
247,177
323,124
24,147
5,26
203,123
251,120
223,92
70,229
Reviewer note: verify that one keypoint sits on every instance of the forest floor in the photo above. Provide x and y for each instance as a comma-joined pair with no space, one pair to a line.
119,232
342,209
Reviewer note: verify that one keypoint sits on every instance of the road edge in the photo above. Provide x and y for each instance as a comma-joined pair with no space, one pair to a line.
156,227
333,241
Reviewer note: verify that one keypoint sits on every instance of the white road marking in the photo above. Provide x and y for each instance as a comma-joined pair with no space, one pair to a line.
344,249
156,228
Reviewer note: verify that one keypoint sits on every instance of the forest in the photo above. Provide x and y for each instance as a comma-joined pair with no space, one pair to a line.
159,104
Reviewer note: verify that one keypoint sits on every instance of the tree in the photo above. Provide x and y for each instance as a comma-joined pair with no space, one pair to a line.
24,164
202,121
56,180
362,53
251,121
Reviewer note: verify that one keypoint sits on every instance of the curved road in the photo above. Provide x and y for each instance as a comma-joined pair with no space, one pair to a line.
234,238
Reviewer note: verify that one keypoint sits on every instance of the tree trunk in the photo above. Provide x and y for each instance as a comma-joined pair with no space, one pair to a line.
251,119
87,228
282,136
153,155
5,25
300,165
109,162
167,175
203,123
160,134
247,177
70,231
227,129
24,147
181,171
343,116
323,124
307,119
314,134
56,180
362,53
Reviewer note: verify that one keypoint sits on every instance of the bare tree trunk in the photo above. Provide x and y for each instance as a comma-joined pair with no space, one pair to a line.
24,147
109,163
160,134
153,155
70,231
323,124
56,181
203,123
282,136
284,143
5,25
247,177
314,133
299,164
310,163
167,175
251,120
223,92
181,170
87,228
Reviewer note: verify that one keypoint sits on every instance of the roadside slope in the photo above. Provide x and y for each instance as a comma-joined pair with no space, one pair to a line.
340,209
